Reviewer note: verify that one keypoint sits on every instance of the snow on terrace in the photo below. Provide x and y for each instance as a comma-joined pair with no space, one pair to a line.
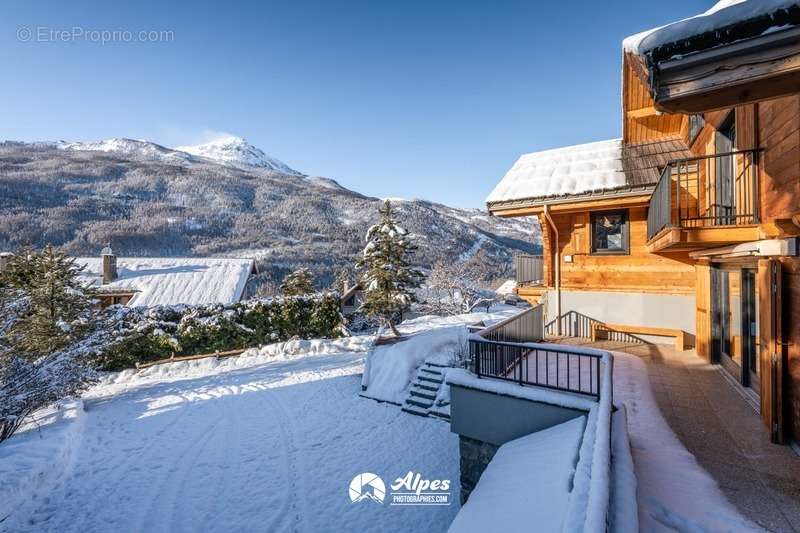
530,478
723,13
569,170
173,280
270,447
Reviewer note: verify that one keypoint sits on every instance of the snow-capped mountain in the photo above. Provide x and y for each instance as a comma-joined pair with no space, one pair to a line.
237,152
130,147
149,200
230,151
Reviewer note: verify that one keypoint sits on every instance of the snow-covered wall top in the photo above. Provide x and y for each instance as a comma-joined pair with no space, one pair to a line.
723,13
169,281
569,170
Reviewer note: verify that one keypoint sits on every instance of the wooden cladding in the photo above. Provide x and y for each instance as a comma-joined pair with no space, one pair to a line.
638,271
641,122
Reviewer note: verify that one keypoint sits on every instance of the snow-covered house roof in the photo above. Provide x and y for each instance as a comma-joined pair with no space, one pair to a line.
725,22
172,280
584,170
561,171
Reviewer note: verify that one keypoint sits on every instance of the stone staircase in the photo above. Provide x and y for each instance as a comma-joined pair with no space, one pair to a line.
421,398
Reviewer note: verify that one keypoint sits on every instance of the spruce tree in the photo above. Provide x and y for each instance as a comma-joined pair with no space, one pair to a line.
298,283
388,279
56,300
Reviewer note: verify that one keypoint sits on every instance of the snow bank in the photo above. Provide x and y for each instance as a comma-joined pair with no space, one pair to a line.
41,455
253,357
674,491
723,13
530,479
568,170
624,517
392,367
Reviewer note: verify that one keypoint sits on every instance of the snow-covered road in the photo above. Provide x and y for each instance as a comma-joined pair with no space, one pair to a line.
271,448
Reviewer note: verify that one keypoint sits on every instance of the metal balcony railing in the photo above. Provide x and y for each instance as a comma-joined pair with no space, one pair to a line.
706,191
510,351
529,268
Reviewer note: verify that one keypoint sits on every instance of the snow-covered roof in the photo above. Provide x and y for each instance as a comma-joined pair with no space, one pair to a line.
721,15
173,280
561,171
507,287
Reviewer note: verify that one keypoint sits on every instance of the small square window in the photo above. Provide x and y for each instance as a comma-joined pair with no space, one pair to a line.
610,233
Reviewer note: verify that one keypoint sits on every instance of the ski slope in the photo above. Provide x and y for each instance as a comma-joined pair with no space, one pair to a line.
268,448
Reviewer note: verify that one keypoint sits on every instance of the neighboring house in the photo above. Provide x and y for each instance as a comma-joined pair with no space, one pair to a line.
688,224
148,281
352,297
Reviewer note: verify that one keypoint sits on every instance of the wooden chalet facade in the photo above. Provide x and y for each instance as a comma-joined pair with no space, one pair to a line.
699,235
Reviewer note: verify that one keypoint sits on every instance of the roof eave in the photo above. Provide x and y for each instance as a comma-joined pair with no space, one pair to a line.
628,191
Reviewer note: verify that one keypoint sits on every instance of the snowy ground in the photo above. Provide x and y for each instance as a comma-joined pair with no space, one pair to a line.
267,448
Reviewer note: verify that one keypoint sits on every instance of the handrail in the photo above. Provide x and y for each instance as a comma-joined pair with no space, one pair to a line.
709,190
509,350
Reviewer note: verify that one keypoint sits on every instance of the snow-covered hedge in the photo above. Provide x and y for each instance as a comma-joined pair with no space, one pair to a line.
139,335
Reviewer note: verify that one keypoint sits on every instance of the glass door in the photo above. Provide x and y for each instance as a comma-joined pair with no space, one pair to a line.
750,328
734,326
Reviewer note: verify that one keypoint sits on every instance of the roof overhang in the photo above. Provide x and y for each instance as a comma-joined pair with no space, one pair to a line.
605,199
729,75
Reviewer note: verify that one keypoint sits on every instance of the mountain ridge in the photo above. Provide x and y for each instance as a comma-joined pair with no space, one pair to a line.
145,200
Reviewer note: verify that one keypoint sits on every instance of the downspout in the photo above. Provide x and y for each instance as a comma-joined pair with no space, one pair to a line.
557,264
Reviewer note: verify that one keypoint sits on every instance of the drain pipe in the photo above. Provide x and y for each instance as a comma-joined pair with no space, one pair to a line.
557,264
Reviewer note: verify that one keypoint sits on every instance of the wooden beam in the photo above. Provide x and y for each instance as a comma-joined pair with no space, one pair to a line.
643,112
681,337
696,238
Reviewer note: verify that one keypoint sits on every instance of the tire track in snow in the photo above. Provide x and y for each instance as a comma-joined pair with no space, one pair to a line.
291,515
156,511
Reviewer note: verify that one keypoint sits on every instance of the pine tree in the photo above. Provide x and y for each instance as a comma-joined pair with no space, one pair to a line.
388,279
298,283
56,300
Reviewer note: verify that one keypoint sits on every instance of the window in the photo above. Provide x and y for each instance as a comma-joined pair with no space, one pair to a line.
610,232
696,123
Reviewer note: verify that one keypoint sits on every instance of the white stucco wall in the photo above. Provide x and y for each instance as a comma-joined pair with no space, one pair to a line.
634,309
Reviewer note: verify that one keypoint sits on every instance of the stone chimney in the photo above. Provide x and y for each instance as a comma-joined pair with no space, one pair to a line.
5,259
109,265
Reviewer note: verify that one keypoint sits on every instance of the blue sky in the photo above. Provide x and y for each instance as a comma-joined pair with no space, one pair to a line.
427,99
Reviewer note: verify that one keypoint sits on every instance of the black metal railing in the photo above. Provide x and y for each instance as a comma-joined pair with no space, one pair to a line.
529,268
706,191
508,350
544,366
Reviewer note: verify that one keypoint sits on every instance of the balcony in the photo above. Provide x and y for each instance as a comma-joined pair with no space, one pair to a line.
705,201
530,277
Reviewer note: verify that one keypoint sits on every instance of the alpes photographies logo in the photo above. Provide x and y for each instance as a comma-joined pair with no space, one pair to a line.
410,489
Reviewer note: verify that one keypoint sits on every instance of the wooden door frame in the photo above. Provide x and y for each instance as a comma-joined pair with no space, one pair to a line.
772,347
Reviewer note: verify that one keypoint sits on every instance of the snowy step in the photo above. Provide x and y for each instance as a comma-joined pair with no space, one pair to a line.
436,365
427,394
430,379
419,402
414,410
425,386
442,412
431,372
